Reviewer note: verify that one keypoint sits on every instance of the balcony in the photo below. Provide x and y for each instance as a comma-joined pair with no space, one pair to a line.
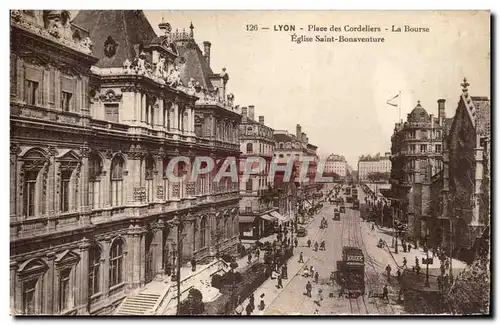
46,114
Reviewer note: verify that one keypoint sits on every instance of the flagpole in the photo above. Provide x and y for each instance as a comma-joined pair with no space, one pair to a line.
399,106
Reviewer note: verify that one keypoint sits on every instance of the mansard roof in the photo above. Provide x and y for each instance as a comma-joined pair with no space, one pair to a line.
128,29
197,66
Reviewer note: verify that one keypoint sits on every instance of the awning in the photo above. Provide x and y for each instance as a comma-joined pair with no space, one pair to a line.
246,219
278,216
268,217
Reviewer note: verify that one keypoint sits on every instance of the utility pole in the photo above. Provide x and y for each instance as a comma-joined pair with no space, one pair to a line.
178,222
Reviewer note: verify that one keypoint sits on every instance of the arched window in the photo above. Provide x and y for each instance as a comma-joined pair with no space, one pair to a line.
282,146
228,227
95,170
116,190
203,232
116,263
249,147
95,271
150,167
33,195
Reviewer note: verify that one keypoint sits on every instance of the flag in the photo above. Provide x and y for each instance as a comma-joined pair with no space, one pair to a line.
392,104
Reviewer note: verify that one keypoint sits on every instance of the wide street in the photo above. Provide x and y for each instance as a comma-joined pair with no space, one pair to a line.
349,231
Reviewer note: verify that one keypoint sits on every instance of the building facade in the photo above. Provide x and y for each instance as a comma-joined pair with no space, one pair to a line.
256,204
416,156
372,165
336,164
466,176
97,113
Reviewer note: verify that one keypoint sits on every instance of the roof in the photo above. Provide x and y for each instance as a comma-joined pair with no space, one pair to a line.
483,115
419,112
197,66
282,137
352,250
334,157
127,28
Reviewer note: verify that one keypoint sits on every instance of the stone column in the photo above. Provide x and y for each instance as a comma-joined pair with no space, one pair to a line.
50,284
190,121
134,247
144,107
104,281
82,275
104,195
159,113
175,122
158,247
142,254
14,286
84,180
138,106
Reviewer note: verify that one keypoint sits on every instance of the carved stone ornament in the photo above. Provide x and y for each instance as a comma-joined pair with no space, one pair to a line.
110,96
110,47
15,149
52,150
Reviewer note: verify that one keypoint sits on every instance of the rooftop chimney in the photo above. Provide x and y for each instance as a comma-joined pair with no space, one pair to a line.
206,51
303,137
251,112
299,132
441,108
261,119
244,111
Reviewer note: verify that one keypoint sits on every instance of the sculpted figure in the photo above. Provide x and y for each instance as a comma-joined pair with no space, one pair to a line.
174,78
141,62
87,42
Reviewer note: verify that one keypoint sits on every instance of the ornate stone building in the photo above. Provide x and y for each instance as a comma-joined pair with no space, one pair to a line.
257,212
416,156
98,110
336,164
466,209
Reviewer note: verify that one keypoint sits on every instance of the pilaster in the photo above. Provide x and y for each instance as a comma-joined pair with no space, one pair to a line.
82,298
84,179
14,287
158,247
137,107
50,285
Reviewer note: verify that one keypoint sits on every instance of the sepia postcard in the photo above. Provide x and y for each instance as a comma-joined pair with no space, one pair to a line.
250,163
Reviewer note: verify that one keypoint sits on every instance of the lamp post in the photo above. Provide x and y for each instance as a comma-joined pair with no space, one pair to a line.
427,257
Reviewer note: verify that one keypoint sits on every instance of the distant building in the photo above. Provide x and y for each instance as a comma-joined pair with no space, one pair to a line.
256,205
373,164
336,164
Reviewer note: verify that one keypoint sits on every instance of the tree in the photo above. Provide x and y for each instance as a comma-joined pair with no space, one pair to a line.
470,292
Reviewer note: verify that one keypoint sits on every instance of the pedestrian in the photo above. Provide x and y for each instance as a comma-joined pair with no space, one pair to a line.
249,258
308,243
316,277
284,271
404,262
301,257
332,278
280,282
385,293
319,297
257,253
416,260
251,301
249,309
409,247
262,305
315,246
388,271
398,275
193,264
311,270
447,263
308,289
296,242
373,227
439,281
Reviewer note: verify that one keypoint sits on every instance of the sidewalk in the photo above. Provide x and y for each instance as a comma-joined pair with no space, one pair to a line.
386,254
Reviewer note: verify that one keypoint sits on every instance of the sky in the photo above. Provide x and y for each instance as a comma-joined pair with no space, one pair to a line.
338,91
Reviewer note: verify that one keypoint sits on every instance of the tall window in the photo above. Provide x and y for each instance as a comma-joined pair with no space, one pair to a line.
423,148
111,112
29,297
249,147
94,272
31,92
117,166
438,148
203,232
95,170
116,263
29,195
64,289
249,185
66,101
65,190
